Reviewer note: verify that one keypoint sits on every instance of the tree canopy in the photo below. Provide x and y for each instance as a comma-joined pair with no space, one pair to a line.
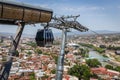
93,63
80,71
117,68
109,67
38,51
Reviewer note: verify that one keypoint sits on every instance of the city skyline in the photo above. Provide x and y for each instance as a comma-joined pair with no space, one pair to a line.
94,14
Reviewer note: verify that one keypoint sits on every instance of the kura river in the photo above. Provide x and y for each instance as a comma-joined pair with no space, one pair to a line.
94,54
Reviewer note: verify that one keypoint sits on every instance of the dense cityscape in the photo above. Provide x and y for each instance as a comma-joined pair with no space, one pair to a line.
87,57
88,48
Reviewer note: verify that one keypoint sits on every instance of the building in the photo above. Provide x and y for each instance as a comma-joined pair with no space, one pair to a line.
105,73
117,52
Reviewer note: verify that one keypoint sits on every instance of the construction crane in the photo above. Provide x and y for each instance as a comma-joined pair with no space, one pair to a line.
64,23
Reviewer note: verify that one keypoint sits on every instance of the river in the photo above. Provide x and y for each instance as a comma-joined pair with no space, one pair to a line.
104,61
94,54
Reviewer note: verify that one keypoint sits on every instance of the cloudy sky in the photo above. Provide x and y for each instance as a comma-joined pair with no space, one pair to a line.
95,14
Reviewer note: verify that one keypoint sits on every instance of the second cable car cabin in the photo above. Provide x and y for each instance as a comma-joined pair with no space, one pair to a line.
44,38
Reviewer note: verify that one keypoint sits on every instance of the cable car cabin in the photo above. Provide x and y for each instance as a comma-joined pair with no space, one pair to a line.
44,38
11,11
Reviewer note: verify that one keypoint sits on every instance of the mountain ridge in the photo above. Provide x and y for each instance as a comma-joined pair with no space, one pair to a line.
69,33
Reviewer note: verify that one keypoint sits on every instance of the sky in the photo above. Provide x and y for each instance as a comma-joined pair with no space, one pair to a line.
94,14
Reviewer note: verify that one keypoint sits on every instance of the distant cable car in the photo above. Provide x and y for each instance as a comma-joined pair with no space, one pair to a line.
44,38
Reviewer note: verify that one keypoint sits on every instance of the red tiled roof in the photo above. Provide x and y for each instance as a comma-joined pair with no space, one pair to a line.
69,55
102,70
67,77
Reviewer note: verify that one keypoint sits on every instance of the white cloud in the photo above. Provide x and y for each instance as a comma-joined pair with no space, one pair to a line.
70,10
82,8
65,9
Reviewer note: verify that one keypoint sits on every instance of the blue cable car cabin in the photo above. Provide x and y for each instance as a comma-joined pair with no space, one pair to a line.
44,38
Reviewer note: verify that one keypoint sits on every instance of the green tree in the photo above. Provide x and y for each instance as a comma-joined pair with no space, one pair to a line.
38,51
56,59
17,53
80,71
109,67
66,51
22,49
117,68
93,63
53,71
32,44
102,46
32,76
83,52
100,50
29,53
94,76
1,41
110,47
86,45
4,58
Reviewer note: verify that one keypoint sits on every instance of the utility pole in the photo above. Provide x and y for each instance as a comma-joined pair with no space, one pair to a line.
4,74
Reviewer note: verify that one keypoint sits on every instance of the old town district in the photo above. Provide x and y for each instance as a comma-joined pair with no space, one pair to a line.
39,63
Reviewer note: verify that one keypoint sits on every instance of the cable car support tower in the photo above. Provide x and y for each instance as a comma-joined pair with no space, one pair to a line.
64,23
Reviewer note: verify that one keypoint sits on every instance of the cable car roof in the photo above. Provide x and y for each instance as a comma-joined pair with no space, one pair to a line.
20,4
23,12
